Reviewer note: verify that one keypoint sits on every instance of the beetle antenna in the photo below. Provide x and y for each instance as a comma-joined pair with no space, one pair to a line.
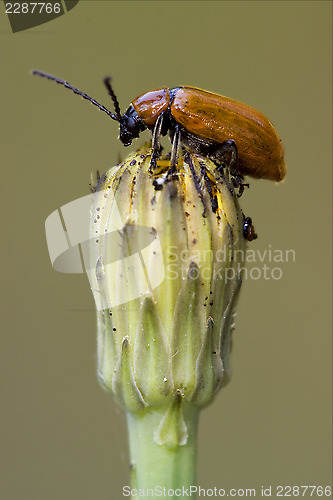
113,96
76,91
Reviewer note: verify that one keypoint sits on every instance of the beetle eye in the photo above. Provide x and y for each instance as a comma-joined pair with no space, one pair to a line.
131,123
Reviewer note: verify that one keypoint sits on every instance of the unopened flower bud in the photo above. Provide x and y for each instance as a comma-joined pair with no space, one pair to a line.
166,276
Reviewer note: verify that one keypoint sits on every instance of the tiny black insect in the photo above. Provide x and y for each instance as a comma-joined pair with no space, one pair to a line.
248,229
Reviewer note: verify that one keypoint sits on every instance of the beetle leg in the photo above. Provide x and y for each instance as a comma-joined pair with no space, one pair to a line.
237,181
175,150
227,154
155,146
174,154
241,188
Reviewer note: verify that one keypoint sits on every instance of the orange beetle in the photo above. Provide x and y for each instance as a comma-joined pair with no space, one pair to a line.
224,130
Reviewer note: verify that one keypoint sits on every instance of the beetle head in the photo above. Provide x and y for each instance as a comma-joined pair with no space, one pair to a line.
130,126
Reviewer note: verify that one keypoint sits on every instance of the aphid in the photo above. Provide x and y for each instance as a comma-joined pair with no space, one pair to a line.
226,131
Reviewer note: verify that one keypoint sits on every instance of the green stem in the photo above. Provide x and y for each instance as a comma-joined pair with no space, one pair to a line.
168,465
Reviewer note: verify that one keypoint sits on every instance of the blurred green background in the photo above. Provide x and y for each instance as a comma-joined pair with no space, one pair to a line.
62,436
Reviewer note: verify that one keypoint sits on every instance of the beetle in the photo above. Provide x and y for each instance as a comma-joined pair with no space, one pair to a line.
226,131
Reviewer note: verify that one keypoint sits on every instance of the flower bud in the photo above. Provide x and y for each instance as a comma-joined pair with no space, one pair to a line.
166,277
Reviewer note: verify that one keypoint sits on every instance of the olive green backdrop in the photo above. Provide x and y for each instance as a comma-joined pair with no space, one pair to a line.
62,436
